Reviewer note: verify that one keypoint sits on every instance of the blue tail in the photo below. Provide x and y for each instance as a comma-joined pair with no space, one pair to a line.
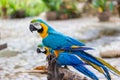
87,57
86,72
107,75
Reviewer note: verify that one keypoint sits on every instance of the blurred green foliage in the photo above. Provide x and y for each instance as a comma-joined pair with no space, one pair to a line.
69,6
63,8
61,5
53,5
3,3
31,7
102,5
35,7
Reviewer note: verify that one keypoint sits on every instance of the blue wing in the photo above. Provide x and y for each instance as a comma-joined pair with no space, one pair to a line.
56,40
65,58
74,42
69,59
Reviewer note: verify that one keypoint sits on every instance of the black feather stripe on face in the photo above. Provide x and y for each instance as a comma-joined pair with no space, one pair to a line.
45,52
40,30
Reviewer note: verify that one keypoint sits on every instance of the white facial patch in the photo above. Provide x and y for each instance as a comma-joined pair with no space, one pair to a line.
42,49
37,25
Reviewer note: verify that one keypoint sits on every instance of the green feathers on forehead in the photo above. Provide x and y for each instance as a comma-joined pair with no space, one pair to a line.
35,20
40,45
39,20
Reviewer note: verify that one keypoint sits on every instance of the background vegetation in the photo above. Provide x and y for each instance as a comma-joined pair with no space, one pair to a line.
28,7
63,9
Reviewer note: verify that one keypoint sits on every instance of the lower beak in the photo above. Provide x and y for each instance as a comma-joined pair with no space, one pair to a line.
32,28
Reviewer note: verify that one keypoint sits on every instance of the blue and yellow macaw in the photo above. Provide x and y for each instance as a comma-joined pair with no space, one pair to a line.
57,41
65,58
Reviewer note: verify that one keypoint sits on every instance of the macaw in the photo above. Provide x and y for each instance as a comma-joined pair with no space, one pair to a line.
69,59
57,41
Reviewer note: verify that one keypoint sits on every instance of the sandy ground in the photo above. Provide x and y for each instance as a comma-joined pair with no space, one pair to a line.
21,52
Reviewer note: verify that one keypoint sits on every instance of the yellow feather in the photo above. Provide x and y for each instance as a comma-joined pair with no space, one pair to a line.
108,65
56,52
48,51
95,67
75,46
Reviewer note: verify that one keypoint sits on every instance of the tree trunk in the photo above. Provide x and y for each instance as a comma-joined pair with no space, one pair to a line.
4,10
89,1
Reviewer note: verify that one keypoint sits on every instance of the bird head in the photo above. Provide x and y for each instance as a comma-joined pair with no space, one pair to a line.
40,26
43,50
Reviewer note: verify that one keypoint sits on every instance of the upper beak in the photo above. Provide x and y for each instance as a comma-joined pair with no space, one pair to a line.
38,50
32,28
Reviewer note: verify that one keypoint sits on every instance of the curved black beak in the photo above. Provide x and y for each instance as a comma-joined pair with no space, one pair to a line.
39,51
32,28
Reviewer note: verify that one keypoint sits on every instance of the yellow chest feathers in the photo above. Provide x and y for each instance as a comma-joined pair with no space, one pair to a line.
44,32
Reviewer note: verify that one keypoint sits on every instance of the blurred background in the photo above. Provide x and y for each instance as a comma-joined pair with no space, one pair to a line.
94,22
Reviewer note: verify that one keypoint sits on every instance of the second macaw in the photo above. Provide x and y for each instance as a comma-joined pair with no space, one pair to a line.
65,58
57,41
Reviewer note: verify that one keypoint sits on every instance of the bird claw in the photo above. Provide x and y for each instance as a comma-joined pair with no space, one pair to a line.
50,57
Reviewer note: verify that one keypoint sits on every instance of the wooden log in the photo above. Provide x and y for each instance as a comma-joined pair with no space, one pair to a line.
70,75
3,46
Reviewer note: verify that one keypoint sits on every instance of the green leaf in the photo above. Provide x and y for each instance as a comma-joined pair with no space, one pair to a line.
4,3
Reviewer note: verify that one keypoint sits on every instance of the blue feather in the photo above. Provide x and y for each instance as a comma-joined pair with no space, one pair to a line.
75,42
84,70
69,59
